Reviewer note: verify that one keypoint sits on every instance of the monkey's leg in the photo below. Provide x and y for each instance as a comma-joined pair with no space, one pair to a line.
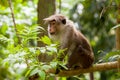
80,57
86,57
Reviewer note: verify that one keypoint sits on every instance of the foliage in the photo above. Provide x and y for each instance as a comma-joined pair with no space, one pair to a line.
112,56
93,19
22,58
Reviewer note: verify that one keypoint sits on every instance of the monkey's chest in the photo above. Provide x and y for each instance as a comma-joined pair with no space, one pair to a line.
55,38
71,48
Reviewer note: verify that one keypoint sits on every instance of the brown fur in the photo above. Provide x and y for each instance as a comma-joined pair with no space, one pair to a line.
78,50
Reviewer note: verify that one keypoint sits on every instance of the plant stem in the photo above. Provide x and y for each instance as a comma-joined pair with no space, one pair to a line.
13,18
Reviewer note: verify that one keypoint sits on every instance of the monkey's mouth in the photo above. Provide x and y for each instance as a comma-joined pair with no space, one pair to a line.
52,33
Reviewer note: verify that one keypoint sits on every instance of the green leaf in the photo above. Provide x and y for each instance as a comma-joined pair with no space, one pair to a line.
53,64
41,74
4,28
112,54
42,50
52,49
34,70
64,78
116,26
63,66
61,52
46,40
29,32
45,67
18,1
4,39
28,73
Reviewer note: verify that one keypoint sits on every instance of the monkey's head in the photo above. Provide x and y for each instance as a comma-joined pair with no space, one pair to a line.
56,24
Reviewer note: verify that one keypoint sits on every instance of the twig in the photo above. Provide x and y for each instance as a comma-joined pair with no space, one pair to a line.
15,27
105,9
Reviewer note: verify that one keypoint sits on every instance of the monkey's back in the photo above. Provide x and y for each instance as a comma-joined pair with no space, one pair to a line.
82,54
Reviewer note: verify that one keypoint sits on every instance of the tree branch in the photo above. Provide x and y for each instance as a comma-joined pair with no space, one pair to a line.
12,13
96,67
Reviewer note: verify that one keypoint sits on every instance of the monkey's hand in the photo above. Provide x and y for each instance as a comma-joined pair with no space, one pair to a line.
62,54
60,67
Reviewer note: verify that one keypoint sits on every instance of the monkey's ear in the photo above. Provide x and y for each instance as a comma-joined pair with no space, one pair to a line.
46,20
64,21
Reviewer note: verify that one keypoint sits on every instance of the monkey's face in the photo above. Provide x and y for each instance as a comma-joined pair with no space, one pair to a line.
55,28
52,27
56,25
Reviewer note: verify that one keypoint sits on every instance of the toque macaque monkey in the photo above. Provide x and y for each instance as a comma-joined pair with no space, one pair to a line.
63,30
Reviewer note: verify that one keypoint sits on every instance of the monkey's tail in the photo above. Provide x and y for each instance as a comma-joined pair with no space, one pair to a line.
91,76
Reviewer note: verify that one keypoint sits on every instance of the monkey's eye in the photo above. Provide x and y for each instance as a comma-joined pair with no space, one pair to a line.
53,23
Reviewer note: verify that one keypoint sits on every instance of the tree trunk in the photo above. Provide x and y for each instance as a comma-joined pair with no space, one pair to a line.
118,30
45,8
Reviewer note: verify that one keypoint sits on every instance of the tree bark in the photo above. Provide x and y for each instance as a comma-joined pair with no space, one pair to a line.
45,8
118,30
